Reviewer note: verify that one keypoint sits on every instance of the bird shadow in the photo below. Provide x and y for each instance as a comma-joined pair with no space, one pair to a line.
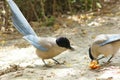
55,66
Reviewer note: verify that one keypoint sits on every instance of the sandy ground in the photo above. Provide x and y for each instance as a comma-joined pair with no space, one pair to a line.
21,63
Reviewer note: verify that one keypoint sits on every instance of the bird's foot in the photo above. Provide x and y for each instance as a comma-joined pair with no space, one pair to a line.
57,62
108,61
46,65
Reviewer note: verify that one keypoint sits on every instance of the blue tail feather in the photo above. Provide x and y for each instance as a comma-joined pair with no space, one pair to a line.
22,25
33,40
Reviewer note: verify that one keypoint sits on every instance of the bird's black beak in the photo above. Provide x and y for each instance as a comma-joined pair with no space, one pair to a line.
71,48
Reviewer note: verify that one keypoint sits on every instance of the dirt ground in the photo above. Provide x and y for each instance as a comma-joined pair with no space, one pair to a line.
18,61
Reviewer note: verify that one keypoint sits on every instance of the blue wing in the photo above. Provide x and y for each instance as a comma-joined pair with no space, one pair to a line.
22,25
111,39
34,41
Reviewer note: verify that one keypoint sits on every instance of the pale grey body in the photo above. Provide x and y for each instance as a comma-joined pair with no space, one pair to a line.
47,47
109,48
50,44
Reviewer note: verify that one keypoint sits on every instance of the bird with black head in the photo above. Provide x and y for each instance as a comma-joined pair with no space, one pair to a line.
46,47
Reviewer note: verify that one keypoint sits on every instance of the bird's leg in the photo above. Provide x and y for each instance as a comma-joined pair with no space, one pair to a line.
45,63
110,58
101,58
55,61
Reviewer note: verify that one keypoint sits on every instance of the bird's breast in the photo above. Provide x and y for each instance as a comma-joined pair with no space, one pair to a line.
52,52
